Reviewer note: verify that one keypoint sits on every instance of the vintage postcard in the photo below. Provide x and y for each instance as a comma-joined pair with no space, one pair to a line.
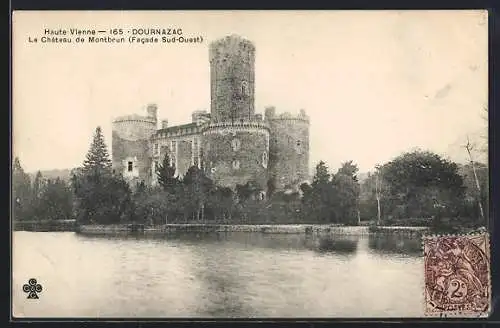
250,164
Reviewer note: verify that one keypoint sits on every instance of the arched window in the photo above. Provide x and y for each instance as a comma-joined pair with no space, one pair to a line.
236,164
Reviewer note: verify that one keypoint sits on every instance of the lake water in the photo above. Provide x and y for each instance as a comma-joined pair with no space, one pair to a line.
217,275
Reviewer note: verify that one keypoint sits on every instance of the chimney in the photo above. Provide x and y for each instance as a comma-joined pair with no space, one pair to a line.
164,124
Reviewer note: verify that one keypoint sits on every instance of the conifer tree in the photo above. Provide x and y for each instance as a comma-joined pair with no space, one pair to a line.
37,185
166,174
21,192
97,159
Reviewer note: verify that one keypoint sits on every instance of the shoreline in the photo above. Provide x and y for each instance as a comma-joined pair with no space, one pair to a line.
257,228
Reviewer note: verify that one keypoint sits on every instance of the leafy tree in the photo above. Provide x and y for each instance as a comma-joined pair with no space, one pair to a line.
318,199
155,206
420,182
271,187
197,187
221,204
21,192
103,199
349,169
56,202
346,190
97,159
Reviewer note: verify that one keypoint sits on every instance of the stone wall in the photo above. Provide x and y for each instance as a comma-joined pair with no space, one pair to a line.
130,143
232,79
236,156
289,152
135,151
184,156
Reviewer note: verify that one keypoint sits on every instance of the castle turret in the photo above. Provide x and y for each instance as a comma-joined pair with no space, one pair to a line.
235,142
130,145
232,79
288,148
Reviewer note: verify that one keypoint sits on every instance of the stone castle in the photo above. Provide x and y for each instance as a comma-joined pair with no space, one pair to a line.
232,144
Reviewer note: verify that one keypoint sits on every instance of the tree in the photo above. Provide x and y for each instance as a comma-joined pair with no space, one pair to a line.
101,197
38,188
221,203
345,192
473,195
318,200
166,175
38,185
56,202
97,159
349,169
21,192
421,182
155,206
322,175
271,187
197,188
469,149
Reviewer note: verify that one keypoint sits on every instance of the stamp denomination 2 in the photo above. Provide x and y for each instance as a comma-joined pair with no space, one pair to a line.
457,275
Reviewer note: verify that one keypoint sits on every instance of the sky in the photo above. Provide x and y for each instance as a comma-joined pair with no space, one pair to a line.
374,83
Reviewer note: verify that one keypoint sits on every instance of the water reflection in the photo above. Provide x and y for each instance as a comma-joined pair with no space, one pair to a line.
336,244
395,244
218,275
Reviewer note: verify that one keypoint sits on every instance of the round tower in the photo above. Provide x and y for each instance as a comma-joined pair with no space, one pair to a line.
236,153
130,145
288,148
232,79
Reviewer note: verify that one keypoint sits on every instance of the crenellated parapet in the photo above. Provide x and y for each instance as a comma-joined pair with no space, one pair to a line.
225,49
270,115
178,131
241,126
289,147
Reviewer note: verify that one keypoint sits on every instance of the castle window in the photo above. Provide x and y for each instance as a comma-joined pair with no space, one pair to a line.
236,164
236,144
298,147
244,88
129,168
264,159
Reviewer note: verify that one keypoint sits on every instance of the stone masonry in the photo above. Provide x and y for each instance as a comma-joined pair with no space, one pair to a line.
232,143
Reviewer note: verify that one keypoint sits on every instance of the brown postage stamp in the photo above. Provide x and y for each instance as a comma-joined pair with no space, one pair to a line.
457,275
